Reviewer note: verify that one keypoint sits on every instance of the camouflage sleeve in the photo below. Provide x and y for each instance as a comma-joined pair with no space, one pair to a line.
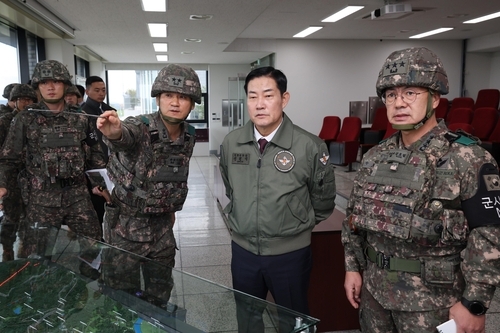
322,189
96,158
481,257
352,239
11,153
131,133
4,127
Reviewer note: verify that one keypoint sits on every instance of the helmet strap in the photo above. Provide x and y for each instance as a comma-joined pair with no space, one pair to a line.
170,120
428,114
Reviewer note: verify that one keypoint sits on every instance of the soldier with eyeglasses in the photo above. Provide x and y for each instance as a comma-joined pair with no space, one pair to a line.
421,233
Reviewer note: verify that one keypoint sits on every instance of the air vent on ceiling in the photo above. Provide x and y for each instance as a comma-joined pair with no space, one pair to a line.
200,17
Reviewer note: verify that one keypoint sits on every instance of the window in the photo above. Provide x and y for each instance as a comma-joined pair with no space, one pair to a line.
8,50
129,92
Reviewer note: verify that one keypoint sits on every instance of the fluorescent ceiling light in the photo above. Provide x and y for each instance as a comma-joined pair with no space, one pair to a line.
343,13
432,32
157,29
154,5
162,57
484,18
307,32
160,47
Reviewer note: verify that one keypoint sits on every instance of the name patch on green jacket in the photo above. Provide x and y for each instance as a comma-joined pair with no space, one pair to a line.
241,159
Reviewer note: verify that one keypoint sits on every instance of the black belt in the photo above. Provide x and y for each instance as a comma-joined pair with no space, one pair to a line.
67,182
391,263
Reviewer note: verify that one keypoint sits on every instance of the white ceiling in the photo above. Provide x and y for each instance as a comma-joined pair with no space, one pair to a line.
117,31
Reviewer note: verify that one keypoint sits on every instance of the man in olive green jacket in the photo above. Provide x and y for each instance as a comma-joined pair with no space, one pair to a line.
280,185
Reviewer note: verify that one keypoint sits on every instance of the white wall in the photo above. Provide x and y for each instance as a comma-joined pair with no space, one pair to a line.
495,71
62,51
477,72
324,75
217,91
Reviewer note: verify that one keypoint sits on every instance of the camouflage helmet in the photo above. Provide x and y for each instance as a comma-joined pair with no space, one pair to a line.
50,70
8,89
73,90
179,79
415,67
23,90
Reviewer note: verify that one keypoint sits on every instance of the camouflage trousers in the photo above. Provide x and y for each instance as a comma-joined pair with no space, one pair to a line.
138,276
79,216
12,221
149,236
374,318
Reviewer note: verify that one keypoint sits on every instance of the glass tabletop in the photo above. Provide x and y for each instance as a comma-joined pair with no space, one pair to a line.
81,285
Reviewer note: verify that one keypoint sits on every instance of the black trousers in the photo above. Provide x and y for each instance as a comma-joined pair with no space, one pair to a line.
286,276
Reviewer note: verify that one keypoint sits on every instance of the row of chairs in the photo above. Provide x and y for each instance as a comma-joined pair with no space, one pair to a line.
460,109
342,139
480,118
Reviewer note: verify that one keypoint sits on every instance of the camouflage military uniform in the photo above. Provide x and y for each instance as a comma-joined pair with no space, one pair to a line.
13,204
150,171
150,174
412,223
53,150
5,109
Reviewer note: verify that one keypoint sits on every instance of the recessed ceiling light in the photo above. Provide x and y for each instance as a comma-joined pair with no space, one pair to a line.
432,32
160,47
187,52
154,5
483,18
157,29
192,40
201,17
162,57
343,13
307,32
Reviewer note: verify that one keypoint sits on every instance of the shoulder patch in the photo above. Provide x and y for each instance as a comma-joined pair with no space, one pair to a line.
463,140
145,120
461,137
76,109
190,129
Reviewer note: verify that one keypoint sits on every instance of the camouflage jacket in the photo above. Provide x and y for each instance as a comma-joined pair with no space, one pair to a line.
150,170
407,203
51,148
5,109
5,120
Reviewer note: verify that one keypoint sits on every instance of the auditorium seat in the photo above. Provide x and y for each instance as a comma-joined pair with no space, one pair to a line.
483,122
459,115
330,129
487,98
344,150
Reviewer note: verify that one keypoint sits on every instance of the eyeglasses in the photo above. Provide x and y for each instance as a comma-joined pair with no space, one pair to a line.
407,96
25,99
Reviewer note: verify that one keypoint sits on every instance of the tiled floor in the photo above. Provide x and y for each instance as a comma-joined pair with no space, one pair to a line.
204,241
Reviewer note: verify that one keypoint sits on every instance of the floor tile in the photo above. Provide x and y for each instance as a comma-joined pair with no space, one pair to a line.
214,255
203,237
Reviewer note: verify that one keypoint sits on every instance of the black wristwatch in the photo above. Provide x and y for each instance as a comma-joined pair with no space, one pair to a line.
475,307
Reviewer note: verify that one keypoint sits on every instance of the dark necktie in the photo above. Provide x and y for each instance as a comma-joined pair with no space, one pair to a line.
262,144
